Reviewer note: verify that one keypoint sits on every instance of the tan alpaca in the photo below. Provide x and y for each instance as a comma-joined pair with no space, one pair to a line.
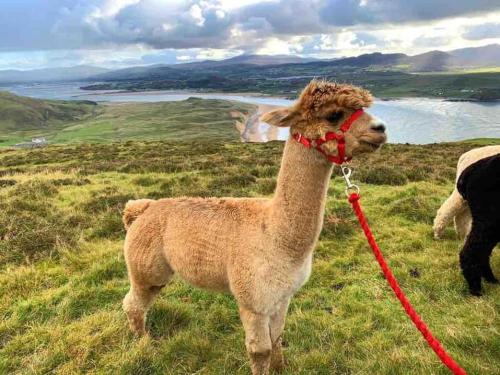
455,207
260,250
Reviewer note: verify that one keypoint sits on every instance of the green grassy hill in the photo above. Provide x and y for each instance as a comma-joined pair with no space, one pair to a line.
188,120
62,273
70,122
19,113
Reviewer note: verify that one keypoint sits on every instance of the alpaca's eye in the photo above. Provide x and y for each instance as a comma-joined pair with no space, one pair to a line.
335,116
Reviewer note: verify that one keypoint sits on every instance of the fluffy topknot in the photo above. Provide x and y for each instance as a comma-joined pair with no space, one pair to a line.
321,94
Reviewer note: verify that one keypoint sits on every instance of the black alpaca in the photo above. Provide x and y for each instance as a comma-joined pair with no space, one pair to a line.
479,185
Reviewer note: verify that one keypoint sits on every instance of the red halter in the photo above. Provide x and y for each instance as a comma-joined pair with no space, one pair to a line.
330,136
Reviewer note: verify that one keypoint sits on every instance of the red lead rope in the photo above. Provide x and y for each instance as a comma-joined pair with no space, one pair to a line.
340,158
419,323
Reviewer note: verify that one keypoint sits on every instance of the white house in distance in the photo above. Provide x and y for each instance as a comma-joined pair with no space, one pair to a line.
35,142
38,140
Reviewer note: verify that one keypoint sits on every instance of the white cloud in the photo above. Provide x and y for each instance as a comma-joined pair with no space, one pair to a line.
196,14
414,39
234,4
215,54
220,13
111,8
275,46
117,32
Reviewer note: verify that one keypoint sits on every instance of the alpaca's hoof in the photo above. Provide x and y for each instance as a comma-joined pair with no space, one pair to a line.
136,325
278,367
476,292
138,332
437,235
277,363
493,280
277,359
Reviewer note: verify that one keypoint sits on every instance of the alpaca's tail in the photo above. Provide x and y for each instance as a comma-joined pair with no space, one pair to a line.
133,209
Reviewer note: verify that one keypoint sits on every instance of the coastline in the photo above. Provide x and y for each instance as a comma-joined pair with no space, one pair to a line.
251,129
179,92
111,92
105,89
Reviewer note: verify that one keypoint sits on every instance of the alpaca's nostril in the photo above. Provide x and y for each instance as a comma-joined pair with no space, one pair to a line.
378,127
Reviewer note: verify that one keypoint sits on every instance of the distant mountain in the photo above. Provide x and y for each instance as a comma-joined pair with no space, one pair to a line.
463,58
369,59
265,66
246,59
478,57
74,73
433,61
173,71
486,56
258,65
139,72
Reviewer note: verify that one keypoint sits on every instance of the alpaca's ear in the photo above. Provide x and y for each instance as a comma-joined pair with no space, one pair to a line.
280,117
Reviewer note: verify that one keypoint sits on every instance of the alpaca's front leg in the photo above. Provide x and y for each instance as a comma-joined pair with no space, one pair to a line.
257,340
463,222
277,324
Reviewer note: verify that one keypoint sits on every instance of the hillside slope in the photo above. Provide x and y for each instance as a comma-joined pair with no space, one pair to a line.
19,113
63,276
189,119
70,121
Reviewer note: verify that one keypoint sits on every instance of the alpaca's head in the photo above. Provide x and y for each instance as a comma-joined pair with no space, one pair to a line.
322,107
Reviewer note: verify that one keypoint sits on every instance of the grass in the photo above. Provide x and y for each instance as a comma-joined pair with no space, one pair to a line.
62,273
25,117
186,119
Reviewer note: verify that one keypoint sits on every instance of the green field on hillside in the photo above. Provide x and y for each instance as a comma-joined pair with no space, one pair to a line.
63,277
69,122
22,117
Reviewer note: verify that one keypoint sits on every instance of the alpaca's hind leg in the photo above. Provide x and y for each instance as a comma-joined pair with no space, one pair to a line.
463,222
276,325
486,270
257,340
136,304
475,255
447,211
148,272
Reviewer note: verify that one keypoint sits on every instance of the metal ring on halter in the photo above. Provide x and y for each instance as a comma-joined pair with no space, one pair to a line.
352,188
346,173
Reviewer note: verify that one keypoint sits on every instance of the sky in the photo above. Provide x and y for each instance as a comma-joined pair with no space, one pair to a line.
119,33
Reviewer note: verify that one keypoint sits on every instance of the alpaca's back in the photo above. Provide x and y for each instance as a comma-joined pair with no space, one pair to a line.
474,155
479,185
456,206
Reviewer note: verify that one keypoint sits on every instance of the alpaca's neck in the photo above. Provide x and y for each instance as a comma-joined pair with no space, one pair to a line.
299,202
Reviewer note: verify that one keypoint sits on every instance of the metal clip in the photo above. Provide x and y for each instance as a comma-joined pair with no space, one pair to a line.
350,187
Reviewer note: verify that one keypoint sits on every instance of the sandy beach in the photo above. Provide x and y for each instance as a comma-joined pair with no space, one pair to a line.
254,130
